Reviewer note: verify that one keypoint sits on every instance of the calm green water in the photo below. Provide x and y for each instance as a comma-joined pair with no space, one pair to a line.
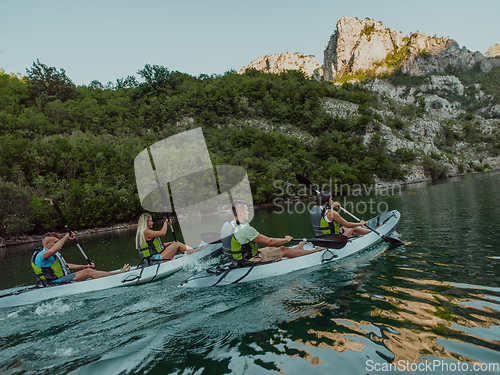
432,307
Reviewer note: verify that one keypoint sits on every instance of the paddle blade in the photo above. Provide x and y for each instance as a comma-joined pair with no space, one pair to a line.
333,237
330,244
393,241
211,237
304,181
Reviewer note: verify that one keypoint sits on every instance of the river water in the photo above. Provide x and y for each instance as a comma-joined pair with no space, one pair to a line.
430,307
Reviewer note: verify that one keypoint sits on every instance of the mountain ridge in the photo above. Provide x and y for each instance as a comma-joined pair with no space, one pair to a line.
360,48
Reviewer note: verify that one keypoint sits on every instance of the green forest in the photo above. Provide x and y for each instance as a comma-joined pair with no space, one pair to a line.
77,144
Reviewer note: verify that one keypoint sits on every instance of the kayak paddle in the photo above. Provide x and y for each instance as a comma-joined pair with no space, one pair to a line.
211,237
304,181
333,241
56,207
330,243
164,200
391,240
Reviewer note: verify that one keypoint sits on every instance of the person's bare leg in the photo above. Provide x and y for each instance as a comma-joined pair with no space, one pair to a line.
90,273
297,251
173,248
361,231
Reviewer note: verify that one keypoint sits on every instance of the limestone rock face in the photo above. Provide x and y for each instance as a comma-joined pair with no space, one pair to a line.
367,47
357,46
280,62
360,48
438,60
493,51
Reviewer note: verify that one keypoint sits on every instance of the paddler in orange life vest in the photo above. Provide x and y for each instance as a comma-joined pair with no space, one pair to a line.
50,266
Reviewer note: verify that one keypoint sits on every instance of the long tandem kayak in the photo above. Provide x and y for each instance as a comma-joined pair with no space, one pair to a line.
227,274
135,276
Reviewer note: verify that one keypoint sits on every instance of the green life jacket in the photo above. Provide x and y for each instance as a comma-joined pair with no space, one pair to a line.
329,227
243,252
320,225
233,248
154,246
57,269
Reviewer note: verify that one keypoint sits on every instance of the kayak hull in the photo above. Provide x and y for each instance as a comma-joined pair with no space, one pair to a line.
135,276
225,275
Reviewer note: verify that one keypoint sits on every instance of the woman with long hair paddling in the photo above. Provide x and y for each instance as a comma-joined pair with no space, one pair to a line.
150,246
336,224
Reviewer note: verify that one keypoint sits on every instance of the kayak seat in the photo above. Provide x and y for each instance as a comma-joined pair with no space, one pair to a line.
43,283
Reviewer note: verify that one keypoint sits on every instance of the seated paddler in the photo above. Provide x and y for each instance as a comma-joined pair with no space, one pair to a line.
326,220
50,266
149,244
240,241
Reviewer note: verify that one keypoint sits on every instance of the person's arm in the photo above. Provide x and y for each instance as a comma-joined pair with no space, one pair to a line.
271,242
150,234
335,216
57,246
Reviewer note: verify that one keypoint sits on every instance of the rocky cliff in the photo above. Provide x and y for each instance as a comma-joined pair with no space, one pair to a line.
358,46
367,47
428,124
280,62
493,51
361,48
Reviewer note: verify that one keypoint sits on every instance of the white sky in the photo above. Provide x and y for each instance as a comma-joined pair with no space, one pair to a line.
108,39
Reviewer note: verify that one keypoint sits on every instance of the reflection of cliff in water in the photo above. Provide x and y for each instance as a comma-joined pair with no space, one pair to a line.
414,325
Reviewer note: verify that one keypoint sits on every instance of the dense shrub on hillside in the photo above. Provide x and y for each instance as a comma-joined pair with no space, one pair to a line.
77,144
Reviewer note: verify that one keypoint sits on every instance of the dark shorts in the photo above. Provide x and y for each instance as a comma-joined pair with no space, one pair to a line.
66,279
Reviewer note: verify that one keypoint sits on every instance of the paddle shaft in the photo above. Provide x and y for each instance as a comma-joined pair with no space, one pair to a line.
56,207
164,199
323,242
385,238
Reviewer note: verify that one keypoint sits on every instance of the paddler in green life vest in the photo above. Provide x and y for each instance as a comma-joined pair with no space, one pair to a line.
50,266
244,240
148,241
328,221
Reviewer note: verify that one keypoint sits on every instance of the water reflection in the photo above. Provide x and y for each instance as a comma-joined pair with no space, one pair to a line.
438,299
416,322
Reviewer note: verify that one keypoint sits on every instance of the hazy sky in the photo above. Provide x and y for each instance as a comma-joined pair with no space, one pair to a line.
108,39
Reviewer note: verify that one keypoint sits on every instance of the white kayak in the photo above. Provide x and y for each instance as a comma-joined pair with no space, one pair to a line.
135,276
227,274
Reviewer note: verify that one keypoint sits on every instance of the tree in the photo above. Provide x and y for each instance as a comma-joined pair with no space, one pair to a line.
158,79
48,84
16,213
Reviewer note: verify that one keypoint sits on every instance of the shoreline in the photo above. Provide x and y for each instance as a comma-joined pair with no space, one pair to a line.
27,239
